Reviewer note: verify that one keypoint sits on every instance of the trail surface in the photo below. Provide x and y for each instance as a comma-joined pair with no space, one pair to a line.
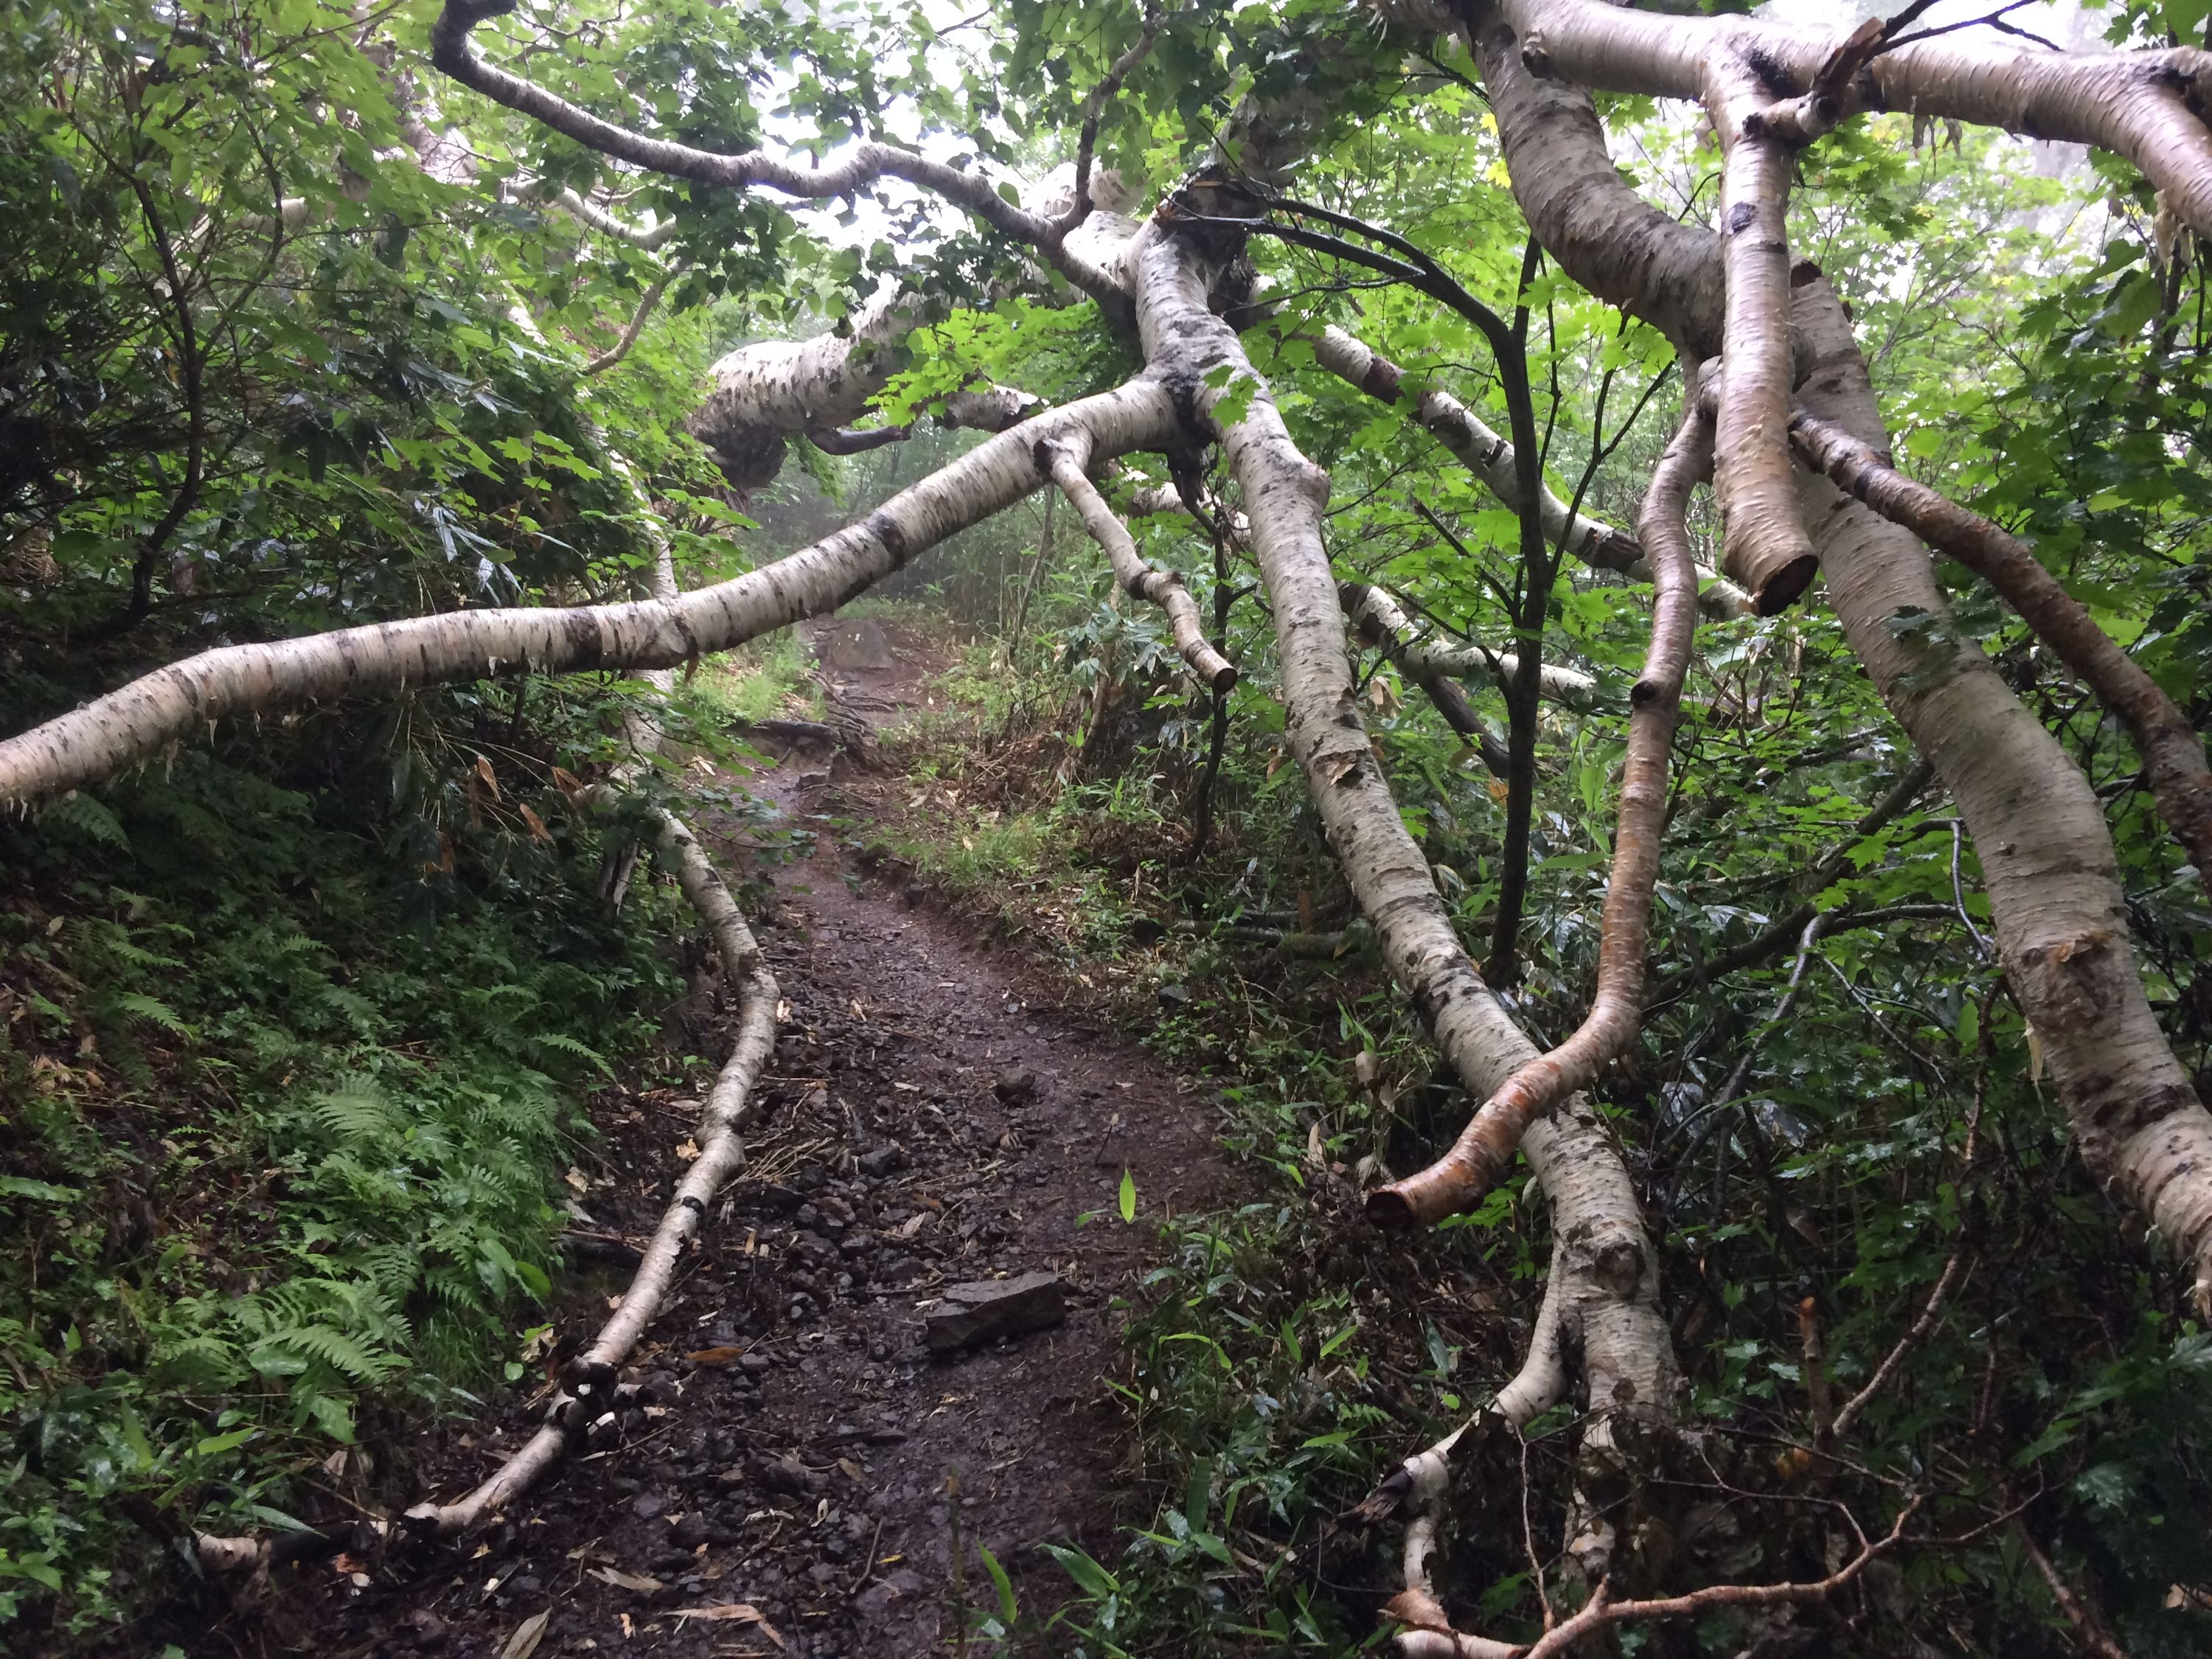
929,1123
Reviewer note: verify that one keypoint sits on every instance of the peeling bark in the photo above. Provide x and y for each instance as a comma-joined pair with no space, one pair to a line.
1763,543
2135,104
2046,856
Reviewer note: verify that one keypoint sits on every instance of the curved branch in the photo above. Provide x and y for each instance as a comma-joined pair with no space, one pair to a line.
2135,104
2172,752
606,360
589,1379
137,722
1487,1145
865,163
1606,1265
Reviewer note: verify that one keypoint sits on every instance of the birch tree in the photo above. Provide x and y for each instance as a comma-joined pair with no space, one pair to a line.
1772,401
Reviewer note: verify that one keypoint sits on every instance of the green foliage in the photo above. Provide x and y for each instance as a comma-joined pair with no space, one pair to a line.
283,1160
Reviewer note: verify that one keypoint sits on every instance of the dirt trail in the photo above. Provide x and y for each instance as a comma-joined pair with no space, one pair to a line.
928,1124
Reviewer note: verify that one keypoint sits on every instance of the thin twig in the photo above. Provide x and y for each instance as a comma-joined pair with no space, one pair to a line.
1953,1270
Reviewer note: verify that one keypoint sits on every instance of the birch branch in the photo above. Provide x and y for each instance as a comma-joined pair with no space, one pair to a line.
1064,460
2172,752
145,716
1763,540
1487,1145
1371,608
589,1379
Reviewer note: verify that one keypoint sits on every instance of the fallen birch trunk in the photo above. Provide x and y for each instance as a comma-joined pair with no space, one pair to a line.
137,722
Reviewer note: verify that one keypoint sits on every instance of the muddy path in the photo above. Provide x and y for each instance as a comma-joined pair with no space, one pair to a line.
796,1444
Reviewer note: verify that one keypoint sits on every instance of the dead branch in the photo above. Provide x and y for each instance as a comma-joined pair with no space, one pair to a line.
1763,540
2086,1625
1960,1261
1064,460
607,359
589,1379
453,51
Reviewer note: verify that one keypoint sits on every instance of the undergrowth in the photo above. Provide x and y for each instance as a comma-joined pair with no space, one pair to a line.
288,1102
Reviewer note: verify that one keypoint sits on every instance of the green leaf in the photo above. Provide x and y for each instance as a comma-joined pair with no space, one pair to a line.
215,1445
1001,1583
1090,1577
44,1191
1128,1199
333,1416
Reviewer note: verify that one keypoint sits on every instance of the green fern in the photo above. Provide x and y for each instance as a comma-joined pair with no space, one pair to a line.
89,817
358,1115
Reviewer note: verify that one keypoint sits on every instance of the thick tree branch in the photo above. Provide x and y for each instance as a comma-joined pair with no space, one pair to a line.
1763,541
452,51
1606,1265
2135,104
94,742
2172,752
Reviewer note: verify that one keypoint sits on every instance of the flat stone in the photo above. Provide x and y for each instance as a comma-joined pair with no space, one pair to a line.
969,1314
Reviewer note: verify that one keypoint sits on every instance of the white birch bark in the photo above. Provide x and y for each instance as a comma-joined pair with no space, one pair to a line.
2135,104
1418,654
1164,588
138,721
1607,1270
729,1107
2046,856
